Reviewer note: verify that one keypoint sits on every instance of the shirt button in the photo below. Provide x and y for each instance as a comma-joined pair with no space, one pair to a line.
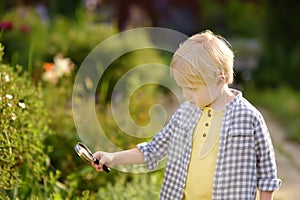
206,124
204,135
209,113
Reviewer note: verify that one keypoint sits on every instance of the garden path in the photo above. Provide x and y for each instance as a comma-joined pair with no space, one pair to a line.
287,157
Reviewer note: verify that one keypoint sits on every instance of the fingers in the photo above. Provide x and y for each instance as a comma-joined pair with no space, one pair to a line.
102,158
98,167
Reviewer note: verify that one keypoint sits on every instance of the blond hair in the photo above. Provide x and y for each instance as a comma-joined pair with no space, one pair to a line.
204,57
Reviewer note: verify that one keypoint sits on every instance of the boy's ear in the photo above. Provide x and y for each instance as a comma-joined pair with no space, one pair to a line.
221,80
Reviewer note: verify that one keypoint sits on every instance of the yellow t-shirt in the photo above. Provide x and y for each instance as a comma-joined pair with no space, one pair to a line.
201,169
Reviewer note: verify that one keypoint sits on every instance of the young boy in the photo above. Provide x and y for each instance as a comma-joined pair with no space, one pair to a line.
217,144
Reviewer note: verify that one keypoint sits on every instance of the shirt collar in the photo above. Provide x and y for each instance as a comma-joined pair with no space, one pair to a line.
238,96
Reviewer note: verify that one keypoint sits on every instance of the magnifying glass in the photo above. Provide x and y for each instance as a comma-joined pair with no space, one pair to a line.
84,153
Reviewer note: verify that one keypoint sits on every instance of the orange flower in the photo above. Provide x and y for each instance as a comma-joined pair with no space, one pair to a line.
48,66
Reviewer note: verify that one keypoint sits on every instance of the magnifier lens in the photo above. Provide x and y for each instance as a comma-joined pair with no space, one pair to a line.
83,152
87,155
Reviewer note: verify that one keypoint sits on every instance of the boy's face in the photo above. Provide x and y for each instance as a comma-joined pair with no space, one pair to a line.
200,94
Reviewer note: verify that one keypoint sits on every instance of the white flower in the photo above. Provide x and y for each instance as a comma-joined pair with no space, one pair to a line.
6,78
8,96
9,105
63,66
50,76
22,105
13,116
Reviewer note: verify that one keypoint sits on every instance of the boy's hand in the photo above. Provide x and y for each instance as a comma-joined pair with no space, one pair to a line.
104,158
126,157
266,195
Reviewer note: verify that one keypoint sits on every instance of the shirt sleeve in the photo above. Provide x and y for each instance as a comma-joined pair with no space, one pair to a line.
157,148
266,166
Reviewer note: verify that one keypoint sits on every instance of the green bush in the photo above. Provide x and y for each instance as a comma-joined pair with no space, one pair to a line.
24,126
142,186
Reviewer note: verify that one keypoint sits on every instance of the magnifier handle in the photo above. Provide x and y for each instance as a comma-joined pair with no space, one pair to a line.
104,167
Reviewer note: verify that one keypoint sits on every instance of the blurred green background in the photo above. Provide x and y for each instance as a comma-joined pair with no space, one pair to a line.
37,128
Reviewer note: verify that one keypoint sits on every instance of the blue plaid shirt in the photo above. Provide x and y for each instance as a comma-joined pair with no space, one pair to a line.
245,161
